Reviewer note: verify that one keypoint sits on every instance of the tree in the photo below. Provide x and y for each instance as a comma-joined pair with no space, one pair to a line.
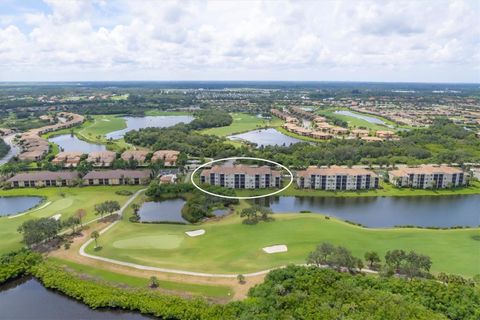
135,208
106,207
38,230
336,257
394,259
80,214
241,278
255,213
154,283
373,259
72,222
95,235
321,254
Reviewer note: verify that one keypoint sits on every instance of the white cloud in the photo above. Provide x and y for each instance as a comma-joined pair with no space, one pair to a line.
307,40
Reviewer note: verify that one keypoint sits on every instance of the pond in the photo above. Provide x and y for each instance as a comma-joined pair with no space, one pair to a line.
135,123
363,117
169,210
68,142
266,137
14,205
384,212
27,299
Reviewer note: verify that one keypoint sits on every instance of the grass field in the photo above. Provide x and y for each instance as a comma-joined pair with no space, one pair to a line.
62,200
141,282
386,190
242,122
232,247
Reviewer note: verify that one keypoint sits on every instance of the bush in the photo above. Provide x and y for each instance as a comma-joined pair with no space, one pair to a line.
123,193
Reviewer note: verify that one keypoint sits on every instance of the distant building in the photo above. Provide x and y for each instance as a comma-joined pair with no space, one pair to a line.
385,134
43,179
116,177
67,159
242,177
337,178
428,176
168,179
169,157
137,155
101,158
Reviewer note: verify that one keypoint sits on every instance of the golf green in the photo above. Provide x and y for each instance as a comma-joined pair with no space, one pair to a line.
165,241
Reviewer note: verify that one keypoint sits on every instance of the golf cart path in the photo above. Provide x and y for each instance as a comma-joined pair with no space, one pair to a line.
166,270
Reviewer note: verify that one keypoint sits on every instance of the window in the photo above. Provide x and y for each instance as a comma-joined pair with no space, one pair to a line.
136,181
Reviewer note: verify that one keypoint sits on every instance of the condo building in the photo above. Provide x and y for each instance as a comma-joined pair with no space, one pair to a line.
242,177
428,176
43,179
337,178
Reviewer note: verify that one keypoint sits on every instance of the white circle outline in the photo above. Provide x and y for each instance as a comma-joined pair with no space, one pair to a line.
241,198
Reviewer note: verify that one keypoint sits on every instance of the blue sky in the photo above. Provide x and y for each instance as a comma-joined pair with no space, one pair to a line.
365,40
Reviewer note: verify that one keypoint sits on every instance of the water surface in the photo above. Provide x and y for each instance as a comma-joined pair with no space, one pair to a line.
14,205
383,212
169,210
135,123
70,143
363,117
28,299
266,137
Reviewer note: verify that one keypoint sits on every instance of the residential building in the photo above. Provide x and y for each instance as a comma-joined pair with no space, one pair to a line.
385,134
168,178
242,177
67,159
137,155
43,179
116,177
169,157
101,158
428,176
337,178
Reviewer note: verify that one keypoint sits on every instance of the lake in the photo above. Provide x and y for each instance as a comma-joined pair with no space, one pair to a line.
67,142
135,123
363,117
14,205
14,149
384,212
27,299
266,137
169,210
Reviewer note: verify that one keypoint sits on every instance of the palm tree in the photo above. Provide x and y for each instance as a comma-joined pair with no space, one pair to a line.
154,282
95,235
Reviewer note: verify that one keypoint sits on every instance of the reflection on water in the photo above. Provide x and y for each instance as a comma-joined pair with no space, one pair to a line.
135,123
266,137
71,143
14,205
447,211
162,211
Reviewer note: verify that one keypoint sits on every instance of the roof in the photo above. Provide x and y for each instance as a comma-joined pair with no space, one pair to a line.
44,175
117,174
138,155
241,169
335,170
426,169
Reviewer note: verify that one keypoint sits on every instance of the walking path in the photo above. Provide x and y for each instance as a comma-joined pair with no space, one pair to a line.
157,269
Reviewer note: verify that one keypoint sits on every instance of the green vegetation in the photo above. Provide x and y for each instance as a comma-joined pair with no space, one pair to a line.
115,278
64,201
4,148
231,246
156,112
243,122
354,122
17,263
385,190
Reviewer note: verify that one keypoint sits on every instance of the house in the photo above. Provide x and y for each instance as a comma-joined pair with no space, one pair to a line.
169,157
385,134
337,178
43,179
338,130
321,135
358,133
242,177
428,176
116,177
168,179
101,158
68,159
137,155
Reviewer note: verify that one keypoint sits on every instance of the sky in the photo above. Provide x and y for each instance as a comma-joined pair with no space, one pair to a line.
363,40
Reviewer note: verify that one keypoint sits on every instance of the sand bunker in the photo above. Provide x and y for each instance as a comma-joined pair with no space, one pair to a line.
56,217
195,233
276,249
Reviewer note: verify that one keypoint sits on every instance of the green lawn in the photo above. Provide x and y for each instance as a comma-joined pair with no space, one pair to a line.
242,122
385,190
232,247
62,200
139,282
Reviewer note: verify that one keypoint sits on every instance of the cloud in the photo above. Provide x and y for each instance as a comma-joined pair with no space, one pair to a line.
312,40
